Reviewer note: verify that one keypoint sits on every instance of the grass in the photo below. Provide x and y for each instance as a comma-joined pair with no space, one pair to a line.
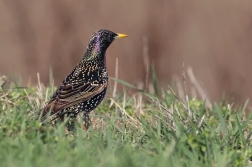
125,132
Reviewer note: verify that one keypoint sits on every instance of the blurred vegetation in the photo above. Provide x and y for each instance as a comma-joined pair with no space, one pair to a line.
213,37
138,130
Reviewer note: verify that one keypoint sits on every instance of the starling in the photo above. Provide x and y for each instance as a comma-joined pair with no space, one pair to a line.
85,87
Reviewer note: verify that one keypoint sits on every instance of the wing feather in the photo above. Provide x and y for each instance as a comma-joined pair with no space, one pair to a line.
70,94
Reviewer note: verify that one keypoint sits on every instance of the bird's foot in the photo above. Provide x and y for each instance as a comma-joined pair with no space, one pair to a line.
86,121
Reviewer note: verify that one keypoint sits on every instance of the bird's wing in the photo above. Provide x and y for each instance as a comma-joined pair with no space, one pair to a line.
70,94
74,92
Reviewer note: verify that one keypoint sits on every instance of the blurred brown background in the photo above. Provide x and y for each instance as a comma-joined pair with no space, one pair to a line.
213,37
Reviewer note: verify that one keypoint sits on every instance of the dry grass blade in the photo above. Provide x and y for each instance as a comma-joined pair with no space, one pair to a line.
186,95
160,105
3,80
29,98
198,87
125,113
115,83
139,100
180,101
8,101
168,118
40,98
200,122
179,86
171,126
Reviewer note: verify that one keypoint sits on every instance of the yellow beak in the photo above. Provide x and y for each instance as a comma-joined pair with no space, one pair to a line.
120,35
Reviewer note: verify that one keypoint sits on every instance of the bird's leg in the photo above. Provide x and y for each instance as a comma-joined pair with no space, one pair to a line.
86,121
70,122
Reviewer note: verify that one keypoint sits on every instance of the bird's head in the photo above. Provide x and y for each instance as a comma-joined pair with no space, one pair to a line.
100,41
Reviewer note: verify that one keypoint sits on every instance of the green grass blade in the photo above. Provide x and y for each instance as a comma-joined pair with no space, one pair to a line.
221,118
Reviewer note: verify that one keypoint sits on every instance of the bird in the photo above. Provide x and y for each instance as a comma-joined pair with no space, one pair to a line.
85,86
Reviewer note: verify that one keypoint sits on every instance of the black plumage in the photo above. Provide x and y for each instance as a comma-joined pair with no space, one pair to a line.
85,87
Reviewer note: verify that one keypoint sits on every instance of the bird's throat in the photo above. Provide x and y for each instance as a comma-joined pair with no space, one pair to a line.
94,55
